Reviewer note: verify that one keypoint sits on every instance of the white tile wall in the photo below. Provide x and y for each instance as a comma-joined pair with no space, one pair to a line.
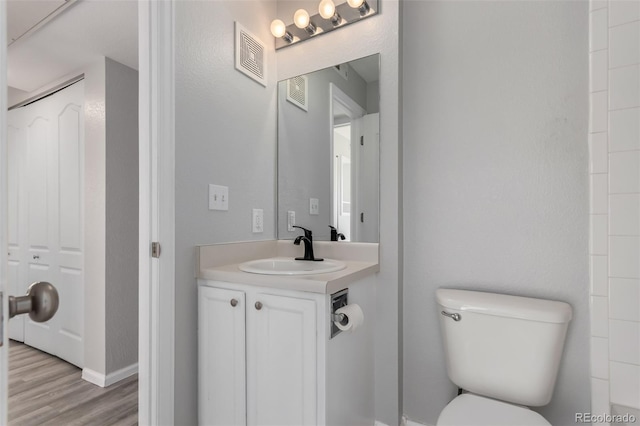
598,237
614,148
625,384
598,153
623,11
624,172
624,299
600,358
598,109
623,261
624,341
624,87
624,45
600,396
624,129
599,316
599,276
624,214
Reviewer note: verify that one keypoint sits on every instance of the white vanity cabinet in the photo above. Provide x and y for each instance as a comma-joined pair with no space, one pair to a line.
266,357
258,357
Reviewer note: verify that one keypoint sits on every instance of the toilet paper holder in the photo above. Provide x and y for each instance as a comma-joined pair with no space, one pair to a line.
338,300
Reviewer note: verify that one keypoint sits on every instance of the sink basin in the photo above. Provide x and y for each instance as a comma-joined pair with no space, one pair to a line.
288,266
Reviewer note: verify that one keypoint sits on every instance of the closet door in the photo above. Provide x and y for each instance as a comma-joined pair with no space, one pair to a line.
51,244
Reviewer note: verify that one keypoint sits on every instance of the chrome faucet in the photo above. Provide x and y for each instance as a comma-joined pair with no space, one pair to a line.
307,238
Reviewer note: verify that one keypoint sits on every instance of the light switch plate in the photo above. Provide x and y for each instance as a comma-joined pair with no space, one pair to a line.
314,206
218,197
258,221
291,220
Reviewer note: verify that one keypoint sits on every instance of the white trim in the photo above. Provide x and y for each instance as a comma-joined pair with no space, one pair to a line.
103,381
407,422
157,276
4,355
377,423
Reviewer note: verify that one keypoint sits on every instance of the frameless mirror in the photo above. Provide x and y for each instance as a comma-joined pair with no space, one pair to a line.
328,152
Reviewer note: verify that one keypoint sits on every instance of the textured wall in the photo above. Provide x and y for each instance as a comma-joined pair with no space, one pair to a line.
121,290
495,176
225,134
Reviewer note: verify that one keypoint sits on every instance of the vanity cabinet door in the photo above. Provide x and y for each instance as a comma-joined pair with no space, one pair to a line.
281,366
221,357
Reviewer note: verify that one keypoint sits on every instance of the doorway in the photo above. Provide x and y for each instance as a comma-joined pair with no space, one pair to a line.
110,168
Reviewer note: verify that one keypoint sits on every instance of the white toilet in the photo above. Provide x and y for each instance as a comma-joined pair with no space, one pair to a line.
504,352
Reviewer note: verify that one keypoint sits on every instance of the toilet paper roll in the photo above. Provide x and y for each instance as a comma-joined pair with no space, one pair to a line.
353,317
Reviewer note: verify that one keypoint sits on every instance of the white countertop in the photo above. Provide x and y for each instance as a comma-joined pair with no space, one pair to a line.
361,260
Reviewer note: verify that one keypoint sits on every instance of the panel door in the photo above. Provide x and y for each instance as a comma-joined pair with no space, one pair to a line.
281,364
48,246
221,357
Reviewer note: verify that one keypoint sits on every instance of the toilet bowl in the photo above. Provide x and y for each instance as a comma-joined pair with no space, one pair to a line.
474,410
504,352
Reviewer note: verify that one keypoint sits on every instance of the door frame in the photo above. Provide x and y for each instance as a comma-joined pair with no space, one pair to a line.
157,212
156,276
4,314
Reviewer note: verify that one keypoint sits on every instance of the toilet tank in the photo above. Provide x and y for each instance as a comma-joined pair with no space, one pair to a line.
504,347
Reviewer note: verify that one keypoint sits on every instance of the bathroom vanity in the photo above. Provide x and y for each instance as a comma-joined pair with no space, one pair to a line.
268,348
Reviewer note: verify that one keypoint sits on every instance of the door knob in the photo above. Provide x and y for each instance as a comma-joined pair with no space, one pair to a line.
41,302
258,305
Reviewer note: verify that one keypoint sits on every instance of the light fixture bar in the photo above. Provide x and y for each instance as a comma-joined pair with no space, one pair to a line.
344,15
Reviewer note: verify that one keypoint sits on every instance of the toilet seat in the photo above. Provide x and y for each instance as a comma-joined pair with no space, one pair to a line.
474,410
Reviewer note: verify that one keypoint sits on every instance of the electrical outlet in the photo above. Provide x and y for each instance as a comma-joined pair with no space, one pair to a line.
218,197
258,221
314,206
291,220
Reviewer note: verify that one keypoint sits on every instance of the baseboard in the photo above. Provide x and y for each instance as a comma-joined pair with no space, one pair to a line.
377,423
111,378
407,422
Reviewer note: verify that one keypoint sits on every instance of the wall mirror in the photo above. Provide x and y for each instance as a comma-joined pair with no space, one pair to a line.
328,152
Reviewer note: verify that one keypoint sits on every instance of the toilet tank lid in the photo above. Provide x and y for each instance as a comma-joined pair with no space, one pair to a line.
505,305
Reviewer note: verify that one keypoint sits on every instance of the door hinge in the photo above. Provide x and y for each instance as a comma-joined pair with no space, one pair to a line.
362,217
155,249
362,140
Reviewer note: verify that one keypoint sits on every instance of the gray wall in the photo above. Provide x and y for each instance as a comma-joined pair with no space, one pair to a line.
121,291
495,172
304,151
378,34
225,134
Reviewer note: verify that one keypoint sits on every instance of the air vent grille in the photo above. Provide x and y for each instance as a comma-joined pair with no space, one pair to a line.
298,91
250,55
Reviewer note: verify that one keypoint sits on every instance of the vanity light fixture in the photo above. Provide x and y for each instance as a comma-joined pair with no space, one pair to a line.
327,9
329,17
303,21
362,6
279,30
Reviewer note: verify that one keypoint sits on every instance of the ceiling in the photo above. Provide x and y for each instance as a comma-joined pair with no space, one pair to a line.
72,35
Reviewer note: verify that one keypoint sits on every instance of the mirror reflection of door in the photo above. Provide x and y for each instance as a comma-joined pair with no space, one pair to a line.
342,178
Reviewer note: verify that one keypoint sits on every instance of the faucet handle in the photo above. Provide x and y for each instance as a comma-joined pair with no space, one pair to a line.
307,232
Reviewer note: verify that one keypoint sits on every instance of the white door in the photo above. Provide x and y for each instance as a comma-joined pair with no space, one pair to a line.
221,357
366,177
45,178
281,360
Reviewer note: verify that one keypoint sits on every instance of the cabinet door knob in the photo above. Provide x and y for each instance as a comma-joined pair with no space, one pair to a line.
234,302
258,305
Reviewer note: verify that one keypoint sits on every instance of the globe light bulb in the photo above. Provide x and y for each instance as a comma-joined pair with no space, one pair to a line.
278,28
327,9
301,18
355,3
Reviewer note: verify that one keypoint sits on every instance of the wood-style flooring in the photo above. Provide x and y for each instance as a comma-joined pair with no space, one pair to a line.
45,390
